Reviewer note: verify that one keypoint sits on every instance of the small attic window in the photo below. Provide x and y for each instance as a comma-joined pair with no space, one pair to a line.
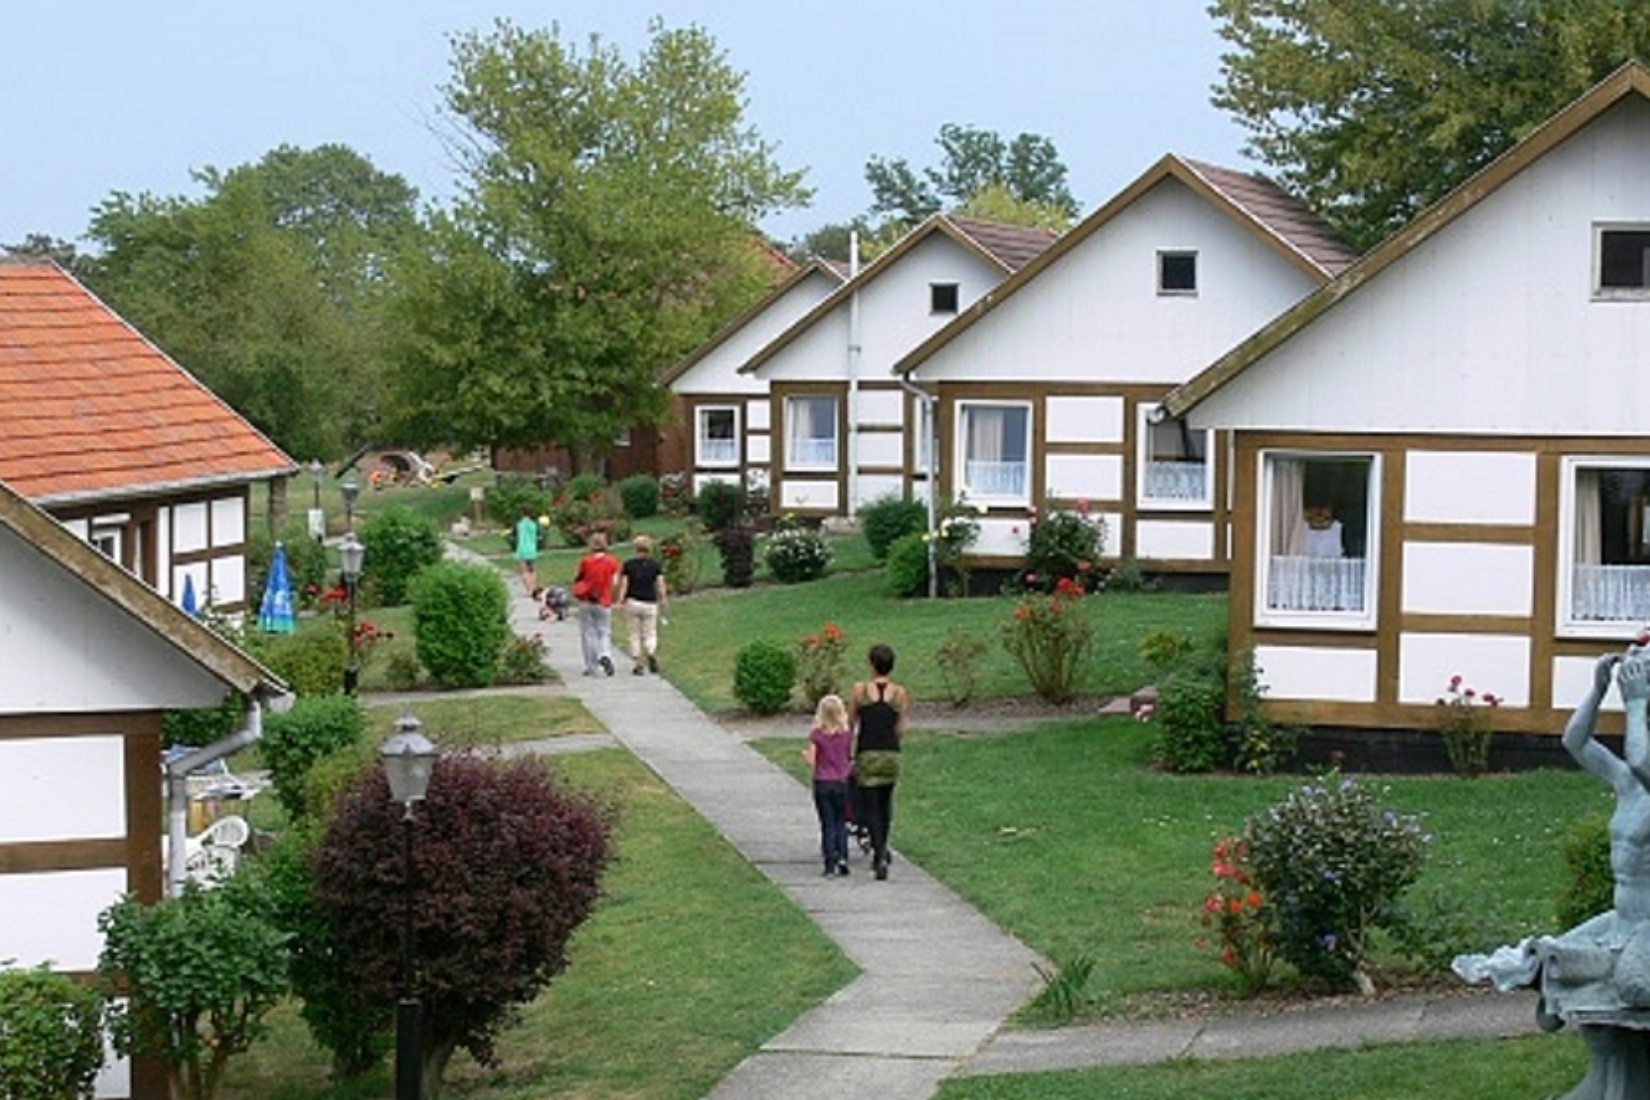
1624,262
942,297
1177,272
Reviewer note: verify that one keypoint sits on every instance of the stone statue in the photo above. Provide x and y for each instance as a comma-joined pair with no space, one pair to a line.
1596,976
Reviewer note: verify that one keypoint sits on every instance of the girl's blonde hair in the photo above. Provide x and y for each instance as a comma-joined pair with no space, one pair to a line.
831,715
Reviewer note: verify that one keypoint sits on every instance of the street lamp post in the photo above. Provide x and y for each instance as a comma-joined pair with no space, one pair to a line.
351,554
351,489
316,471
317,518
409,762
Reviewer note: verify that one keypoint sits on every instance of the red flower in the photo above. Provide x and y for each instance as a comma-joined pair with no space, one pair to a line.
832,631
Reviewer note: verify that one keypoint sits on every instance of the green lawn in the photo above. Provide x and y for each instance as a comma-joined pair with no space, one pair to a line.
489,720
661,999
1065,836
707,630
1484,1070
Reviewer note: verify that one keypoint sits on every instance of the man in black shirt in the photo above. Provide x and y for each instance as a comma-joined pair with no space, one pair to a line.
642,594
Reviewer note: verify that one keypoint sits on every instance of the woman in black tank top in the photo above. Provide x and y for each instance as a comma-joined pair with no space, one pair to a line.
876,713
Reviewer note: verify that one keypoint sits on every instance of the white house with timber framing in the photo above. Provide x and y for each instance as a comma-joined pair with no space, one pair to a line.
1440,462
722,415
1044,385
90,658
841,424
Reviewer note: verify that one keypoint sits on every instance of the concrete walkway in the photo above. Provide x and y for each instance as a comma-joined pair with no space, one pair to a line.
937,978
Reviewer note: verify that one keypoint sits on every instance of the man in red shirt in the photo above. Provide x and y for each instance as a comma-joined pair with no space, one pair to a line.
593,588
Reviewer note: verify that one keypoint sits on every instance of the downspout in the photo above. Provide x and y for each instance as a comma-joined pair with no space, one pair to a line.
933,477
853,374
177,784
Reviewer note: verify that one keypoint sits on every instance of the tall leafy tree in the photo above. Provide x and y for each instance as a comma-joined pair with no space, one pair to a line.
1371,110
46,247
604,230
1027,168
270,287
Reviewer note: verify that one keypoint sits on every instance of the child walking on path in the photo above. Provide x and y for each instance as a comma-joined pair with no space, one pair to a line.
829,755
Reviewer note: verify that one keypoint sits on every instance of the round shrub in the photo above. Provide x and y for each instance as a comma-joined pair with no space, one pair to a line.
514,495
1591,886
1191,732
719,504
461,613
1065,545
51,1038
294,742
400,542
640,493
1332,865
763,674
908,566
311,660
888,518
586,486
797,554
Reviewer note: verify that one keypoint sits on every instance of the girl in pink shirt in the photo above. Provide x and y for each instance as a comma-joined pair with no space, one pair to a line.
830,755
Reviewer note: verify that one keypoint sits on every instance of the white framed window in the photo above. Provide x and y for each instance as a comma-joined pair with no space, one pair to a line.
810,433
1621,268
1175,471
1319,536
108,540
994,451
1177,272
1604,546
716,437
943,298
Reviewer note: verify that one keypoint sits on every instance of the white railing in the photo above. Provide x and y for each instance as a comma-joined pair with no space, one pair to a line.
1315,584
1611,593
718,452
813,452
996,479
1177,481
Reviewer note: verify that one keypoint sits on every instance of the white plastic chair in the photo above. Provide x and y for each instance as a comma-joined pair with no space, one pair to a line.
212,855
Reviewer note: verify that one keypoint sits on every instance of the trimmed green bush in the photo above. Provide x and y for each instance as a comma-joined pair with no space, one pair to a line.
890,517
640,493
908,566
764,672
719,504
461,613
506,500
1591,888
51,1036
1065,546
311,660
1191,734
400,543
203,726
586,486
294,742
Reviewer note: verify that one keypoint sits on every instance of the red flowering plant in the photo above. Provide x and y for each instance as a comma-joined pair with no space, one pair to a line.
1051,637
1235,910
682,556
1064,545
1465,721
821,663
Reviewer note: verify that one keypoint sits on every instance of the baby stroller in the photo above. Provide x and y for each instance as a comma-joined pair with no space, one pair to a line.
553,600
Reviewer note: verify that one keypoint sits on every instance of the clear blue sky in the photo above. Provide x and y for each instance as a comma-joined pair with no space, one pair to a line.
131,95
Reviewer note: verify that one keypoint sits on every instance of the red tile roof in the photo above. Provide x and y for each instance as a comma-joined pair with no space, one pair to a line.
89,408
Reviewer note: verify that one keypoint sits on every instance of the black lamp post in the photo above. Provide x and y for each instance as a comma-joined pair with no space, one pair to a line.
351,553
409,761
351,489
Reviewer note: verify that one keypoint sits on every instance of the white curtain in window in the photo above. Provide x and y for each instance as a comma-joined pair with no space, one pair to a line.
1603,592
1296,581
812,431
996,451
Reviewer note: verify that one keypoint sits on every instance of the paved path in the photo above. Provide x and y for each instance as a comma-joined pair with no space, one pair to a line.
937,979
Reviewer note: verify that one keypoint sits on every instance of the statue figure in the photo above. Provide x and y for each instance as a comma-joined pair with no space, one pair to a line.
1596,976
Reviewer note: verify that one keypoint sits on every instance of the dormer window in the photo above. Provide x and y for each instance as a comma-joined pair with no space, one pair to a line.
1623,262
1177,273
942,298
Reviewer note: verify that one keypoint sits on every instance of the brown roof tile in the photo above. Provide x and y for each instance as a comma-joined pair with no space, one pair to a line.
1013,246
89,408
1280,213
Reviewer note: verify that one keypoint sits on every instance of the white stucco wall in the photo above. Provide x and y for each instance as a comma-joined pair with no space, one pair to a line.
1185,540
1496,663
1329,675
1467,578
1469,487
717,372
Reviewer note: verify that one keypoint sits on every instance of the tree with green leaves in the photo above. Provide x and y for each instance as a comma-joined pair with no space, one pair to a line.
270,287
1371,110
605,229
46,247
1027,168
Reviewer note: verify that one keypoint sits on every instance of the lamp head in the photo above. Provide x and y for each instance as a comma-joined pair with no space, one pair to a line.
409,761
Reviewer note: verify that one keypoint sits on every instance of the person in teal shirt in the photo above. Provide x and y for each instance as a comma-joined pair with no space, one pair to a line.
527,550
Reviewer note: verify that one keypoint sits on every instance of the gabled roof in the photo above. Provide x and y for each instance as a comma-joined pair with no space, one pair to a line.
835,272
183,632
1278,219
90,408
1006,247
1631,79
